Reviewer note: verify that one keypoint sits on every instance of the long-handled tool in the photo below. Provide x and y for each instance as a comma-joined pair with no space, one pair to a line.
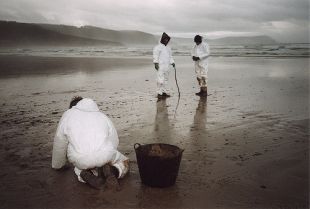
176,82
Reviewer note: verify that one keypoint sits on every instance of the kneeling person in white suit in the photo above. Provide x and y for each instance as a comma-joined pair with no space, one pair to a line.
88,139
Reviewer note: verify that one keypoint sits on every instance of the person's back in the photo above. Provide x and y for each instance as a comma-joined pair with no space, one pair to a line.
91,135
88,138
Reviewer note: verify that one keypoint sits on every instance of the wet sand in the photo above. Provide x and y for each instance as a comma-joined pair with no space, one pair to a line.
246,146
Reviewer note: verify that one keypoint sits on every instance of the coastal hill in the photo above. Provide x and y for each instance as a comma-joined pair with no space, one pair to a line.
239,40
247,40
125,37
25,34
30,34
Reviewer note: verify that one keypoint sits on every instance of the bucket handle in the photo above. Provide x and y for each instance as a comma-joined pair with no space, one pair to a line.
136,145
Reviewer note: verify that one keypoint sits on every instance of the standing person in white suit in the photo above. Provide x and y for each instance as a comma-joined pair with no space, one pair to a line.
200,54
88,139
162,58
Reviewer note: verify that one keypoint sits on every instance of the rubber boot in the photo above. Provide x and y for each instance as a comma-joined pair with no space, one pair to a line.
110,174
91,179
166,95
200,92
161,99
204,91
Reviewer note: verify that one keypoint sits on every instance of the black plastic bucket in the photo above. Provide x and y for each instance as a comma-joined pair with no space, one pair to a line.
158,163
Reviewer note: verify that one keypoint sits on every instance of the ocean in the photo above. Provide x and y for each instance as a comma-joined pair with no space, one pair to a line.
277,50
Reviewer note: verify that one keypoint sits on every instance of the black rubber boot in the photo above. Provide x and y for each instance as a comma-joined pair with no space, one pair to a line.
161,99
166,95
91,179
111,174
200,92
204,92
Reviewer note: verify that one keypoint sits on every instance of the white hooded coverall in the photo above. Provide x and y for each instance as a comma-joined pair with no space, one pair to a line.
163,56
88,139
201,66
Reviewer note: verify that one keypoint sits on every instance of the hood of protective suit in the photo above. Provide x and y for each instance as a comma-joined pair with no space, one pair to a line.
198,38
87,105
164,36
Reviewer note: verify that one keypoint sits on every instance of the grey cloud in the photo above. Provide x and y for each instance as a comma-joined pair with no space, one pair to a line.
282,19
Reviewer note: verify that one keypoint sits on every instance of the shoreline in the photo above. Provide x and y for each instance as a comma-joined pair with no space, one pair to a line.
32,65
150,56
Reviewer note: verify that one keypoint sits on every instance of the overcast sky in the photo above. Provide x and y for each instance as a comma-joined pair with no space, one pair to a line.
283,20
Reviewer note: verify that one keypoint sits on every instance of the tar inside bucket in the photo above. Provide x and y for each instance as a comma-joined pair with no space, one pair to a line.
158,163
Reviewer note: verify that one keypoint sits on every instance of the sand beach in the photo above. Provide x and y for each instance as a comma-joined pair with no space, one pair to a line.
246,145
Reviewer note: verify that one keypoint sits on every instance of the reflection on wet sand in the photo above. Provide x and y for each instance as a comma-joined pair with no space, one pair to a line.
169,197
163,133
162,126
198,128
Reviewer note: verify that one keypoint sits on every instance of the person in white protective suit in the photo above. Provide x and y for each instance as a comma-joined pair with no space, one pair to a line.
200,54
162,59
88,139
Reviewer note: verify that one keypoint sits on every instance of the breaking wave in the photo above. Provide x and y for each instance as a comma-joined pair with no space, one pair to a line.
279,50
